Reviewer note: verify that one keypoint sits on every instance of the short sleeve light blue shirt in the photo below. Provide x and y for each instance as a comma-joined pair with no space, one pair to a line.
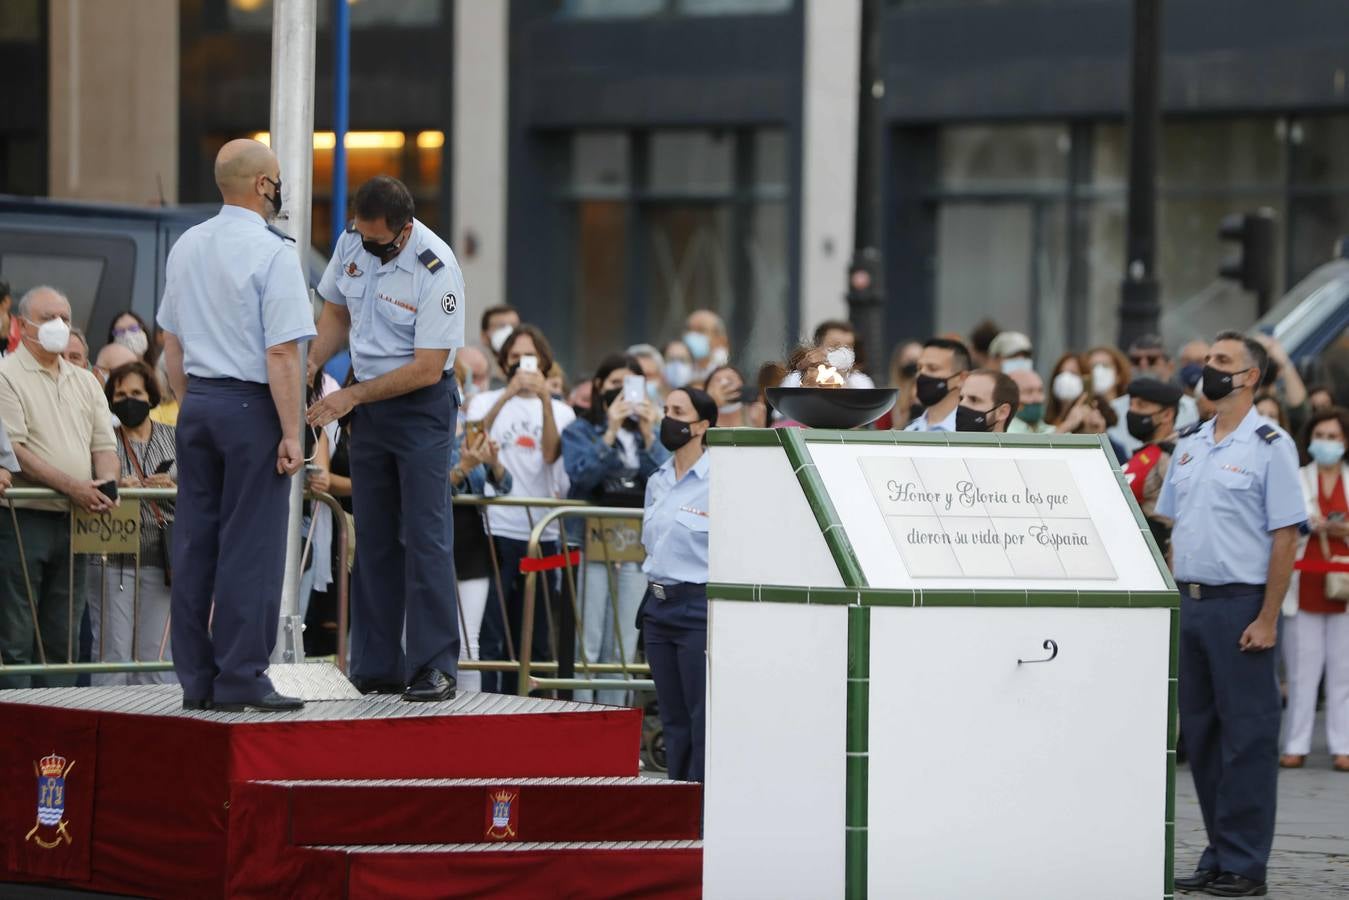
1227,498
922,424
415,301
674,524
233,287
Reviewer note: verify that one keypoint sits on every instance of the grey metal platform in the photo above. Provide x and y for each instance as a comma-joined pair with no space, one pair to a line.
166,700
508,847
550,781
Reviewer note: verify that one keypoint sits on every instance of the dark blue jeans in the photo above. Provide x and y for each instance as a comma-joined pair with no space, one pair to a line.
492,639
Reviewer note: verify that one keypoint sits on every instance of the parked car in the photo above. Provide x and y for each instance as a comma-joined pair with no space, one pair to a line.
105,257
1312,323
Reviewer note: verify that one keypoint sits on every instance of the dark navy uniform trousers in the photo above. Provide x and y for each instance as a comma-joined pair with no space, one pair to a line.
229,540
674,632
400,466
1229,714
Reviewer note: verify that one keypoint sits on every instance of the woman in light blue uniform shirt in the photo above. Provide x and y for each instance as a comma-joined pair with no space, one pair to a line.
673,615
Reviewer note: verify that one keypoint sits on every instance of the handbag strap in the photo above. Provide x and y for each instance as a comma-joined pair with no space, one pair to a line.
140,473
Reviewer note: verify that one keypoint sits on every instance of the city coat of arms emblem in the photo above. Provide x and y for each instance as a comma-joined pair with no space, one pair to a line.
51,828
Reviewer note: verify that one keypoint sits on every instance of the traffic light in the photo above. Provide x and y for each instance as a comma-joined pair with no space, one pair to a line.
1253,264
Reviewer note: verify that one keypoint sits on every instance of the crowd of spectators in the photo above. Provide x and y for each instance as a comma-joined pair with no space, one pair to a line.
75,418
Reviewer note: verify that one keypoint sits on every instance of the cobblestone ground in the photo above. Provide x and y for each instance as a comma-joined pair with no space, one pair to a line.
1311,839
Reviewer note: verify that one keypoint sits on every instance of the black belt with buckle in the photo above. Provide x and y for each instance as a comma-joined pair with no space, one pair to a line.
680,591
1197,591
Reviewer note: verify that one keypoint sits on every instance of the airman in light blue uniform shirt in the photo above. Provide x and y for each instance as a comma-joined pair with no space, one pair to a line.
400,306
228,306
1229,500
233,292
402,299
1226,499
674,525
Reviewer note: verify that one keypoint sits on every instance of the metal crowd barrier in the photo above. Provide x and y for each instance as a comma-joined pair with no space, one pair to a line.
134,665
528,681
533,674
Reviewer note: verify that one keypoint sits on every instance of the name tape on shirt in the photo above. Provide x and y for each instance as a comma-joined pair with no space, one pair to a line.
696,512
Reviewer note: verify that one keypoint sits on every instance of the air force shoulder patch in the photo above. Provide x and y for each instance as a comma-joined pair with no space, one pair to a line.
430,260
449,303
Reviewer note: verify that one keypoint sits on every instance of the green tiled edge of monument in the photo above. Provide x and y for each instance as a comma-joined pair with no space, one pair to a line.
902,597
835,538
857,747
1172,729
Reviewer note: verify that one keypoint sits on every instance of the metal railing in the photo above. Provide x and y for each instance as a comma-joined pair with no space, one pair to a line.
133,665
533,674
527,680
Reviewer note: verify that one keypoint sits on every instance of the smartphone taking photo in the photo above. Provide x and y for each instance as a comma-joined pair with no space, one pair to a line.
634,389
529,364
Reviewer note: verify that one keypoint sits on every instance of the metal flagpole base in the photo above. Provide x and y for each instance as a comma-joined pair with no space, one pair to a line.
290,642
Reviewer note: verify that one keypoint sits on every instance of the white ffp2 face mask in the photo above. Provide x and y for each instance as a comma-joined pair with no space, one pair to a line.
53,335
1102,378
1067,387
498,337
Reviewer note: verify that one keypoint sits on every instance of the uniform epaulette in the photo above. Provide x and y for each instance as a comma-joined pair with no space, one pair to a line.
1268,433
279,233
430,260
1189,429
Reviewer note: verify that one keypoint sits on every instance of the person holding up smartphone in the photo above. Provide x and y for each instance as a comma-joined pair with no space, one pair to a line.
526,423
609,456
58,422
146,451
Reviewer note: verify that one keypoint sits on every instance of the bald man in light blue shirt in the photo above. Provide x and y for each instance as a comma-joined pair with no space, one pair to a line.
234,312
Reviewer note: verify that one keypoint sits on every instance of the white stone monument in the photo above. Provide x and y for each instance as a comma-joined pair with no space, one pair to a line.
939,665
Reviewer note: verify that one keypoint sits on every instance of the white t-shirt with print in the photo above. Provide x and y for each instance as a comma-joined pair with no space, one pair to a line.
518,429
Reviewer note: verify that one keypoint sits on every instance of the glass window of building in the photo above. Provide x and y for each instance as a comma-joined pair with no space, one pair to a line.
669,221
1001,231
1209,169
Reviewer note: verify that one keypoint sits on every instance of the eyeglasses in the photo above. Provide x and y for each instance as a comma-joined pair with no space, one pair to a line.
1147,359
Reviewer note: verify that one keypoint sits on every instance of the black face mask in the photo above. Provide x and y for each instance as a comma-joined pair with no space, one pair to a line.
385,252
130,411
908,370
972,419
931,390
610,396
1141,427
674,433
275,197
1217,384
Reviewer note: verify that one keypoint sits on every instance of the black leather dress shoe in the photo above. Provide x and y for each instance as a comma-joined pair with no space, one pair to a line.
198,705
1230,884
429,686
273,702
378,686
1201,879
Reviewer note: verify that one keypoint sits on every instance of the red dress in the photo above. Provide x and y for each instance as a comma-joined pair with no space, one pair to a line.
1311,595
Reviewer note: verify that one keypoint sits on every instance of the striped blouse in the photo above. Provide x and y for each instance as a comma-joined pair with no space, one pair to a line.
161,447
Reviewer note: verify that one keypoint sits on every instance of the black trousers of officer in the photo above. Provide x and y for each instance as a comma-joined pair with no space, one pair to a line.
674,632
1229,714
229,540
404,571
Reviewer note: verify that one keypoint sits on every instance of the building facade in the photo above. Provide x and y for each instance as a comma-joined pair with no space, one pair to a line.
609,165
